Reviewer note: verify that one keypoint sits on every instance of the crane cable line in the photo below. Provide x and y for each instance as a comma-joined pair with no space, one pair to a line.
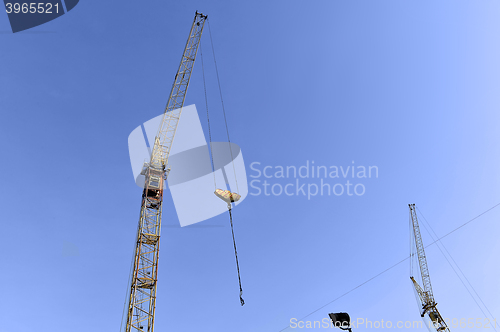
212,156
458,267
223,108
236,255
208,117
394,265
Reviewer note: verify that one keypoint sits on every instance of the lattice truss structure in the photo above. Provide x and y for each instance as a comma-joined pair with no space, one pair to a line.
425,294
143,281
168,126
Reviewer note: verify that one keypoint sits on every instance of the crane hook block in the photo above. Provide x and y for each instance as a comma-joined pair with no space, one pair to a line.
227,196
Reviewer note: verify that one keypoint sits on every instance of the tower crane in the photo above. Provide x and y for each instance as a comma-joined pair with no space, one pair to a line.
425,292
143,281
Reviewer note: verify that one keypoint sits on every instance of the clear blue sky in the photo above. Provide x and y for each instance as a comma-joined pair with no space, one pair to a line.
410,87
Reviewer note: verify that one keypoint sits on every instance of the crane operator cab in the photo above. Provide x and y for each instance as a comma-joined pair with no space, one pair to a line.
154,184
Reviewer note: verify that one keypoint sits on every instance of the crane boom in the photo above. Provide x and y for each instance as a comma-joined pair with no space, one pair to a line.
425,294
168,126
143,280
422,260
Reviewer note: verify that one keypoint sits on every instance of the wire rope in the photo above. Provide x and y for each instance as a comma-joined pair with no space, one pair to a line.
210,151
223,108
230,149
236,255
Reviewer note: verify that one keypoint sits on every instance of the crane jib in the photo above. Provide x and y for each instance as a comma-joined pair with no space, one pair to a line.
141,301
171,116
425,294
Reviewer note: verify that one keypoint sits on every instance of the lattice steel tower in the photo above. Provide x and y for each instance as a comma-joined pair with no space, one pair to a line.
143,281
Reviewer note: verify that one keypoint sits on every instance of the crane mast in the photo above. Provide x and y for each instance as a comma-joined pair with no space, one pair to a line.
425,293
142,299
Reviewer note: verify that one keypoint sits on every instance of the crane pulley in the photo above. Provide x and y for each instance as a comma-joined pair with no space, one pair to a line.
425,292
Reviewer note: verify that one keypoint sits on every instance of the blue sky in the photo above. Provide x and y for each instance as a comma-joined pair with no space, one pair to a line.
411,88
